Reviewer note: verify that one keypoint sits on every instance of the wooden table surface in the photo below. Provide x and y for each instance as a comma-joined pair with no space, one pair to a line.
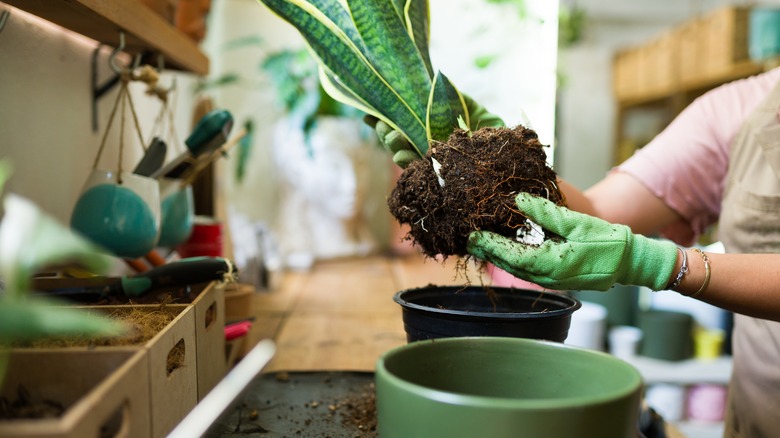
340,315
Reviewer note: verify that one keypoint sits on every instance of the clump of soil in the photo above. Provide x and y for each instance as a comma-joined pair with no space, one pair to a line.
483,171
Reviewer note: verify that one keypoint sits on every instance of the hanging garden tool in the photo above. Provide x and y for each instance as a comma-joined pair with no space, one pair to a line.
183,272
210,133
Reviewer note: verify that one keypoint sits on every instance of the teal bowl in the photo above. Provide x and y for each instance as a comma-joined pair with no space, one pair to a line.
504,387
177,212
123,218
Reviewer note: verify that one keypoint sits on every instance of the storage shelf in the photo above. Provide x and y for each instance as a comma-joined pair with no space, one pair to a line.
686,372
738,71
145,31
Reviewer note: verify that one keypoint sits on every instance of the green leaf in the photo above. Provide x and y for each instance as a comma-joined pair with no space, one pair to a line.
445,106
392,51
245,41
347,67
244,150
35,318
5,173
31,240
416,15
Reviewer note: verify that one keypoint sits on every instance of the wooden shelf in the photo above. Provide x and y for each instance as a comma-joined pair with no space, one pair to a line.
738,71
145,31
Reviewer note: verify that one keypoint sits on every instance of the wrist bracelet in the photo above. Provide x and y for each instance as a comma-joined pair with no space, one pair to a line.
707,273
683,269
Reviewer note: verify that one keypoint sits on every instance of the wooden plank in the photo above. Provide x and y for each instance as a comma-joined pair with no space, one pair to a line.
102,20
364,285
283,297
343,342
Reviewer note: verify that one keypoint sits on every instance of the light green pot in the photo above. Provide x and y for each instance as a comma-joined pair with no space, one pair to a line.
504,387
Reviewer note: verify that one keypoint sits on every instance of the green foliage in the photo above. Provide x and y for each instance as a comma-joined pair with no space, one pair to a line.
373,55
244,150
294,75
571,25
29,242
522,8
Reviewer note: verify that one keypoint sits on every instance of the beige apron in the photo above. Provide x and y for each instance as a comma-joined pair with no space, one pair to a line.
750,223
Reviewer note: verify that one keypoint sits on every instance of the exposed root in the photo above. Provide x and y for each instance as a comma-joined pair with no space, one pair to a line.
484,170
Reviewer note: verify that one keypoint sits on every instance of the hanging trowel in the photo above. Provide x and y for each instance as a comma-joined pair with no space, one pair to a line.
209,134
182,272
153,159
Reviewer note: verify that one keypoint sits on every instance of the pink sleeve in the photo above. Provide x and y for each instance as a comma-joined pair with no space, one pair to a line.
686,164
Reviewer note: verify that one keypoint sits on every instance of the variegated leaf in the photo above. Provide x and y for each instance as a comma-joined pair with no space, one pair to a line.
391,51
445,104
344,59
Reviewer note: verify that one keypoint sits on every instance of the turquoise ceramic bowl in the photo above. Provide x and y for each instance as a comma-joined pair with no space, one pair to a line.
177,212
504,387
123,218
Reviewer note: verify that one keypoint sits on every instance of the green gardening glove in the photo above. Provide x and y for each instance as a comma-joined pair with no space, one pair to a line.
403,151
591,254
394,141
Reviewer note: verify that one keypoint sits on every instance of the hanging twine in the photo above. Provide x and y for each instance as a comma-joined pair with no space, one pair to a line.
165,116
125,99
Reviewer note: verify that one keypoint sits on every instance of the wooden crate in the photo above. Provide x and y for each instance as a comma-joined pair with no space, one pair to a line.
725,33
101,391
691,44
208,302
658,65
172,393
209,310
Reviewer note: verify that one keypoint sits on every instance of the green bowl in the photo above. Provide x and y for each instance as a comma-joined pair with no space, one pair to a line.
504,387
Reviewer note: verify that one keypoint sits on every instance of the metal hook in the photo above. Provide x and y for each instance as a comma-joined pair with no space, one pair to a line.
115,52
98,90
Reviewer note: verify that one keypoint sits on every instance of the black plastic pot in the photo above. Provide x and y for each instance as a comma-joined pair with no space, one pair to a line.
452,311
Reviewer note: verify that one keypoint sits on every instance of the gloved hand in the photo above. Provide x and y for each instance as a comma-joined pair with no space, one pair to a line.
403,151
593,254
395,142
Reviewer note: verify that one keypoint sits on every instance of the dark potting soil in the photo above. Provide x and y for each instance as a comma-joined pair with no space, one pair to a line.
483,171
25,406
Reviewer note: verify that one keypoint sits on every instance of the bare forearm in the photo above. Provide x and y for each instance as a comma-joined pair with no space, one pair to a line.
742,283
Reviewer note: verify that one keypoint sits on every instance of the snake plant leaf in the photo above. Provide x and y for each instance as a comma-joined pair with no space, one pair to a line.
335,49
445,105
392,51
416,15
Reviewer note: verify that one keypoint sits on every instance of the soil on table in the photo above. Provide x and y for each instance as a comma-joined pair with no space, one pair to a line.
483,171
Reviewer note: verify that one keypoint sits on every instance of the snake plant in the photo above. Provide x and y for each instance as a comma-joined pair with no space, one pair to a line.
373,55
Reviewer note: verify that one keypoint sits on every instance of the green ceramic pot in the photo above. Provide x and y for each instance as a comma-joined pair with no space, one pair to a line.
504,387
